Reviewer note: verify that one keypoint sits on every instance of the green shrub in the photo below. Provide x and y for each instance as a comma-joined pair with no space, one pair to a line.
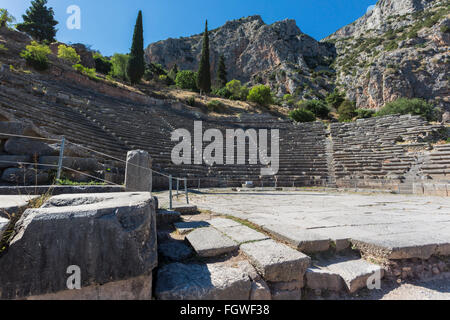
302,115
335,99
215,106
261,95
237,90
222,93
391,45
6,19
153,71
119,66
445,29
102,64
186,80
3,48
86,71
347,111
364,113
191,101
37,55
409,106
166,80
68,54
289,99
317,107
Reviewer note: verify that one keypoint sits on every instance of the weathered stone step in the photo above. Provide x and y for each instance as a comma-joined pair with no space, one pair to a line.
166,217
339,274
304,240
210,242
219,281
282,267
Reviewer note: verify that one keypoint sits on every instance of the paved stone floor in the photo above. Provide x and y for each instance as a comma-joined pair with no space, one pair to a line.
387,220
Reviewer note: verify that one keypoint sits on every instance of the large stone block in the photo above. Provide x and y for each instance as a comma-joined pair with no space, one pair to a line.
110,237
276,262
138,175
217,281
14,128
304,240
10,161
209,242
79,164
25,176
24,146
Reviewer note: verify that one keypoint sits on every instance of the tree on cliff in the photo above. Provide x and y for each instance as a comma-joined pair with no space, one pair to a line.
222,73
204,71
136,63
5,18
39,22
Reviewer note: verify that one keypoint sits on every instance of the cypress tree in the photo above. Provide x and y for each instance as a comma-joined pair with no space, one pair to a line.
39,22
222,72
204,71
173,72
136,63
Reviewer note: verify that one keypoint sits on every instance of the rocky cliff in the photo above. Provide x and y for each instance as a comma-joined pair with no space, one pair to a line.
278,54
399,49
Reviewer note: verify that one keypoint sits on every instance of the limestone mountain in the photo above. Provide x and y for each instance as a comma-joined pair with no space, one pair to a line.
278,54
399,49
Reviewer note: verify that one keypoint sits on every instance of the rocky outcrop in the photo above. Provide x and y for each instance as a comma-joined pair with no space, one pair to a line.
399,49
278,54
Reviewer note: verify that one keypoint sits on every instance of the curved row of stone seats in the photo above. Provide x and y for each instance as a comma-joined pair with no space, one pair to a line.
114,126
379,151
438,165
56,118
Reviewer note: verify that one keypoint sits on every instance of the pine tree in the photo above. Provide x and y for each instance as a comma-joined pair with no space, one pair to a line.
39,22
204,71
222,72
136,63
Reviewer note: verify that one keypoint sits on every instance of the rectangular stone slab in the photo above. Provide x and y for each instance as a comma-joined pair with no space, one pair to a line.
305,240
11,204
223,223
210,242
355,273
276,262
242,234
186,227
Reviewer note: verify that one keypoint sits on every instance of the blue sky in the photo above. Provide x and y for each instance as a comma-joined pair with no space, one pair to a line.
107,25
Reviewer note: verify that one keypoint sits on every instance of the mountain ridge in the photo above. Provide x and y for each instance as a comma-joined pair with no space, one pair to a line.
398,49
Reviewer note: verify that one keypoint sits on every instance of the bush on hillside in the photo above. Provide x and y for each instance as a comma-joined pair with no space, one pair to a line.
289,99
37,55
261,95
215,106
364,113
237,90
302,115
335,98
317,107
119,66
186,80
102,64
68,54
90,72
347,111
409,106
222,93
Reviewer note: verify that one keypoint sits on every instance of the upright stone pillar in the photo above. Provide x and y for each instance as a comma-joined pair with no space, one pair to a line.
138,175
